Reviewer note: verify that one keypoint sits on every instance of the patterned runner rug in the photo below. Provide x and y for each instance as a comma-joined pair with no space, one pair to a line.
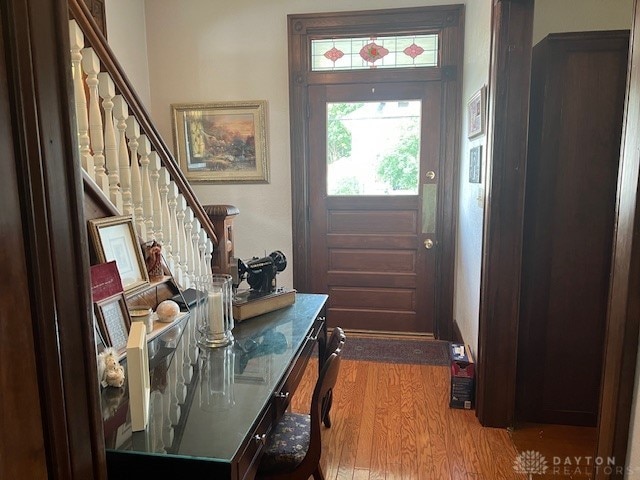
419,352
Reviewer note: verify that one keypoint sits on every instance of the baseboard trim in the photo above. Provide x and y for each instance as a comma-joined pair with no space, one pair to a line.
389,334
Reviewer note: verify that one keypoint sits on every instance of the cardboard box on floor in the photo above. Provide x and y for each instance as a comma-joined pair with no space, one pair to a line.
463,375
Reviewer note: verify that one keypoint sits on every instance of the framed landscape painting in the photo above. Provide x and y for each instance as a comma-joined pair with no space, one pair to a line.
222,142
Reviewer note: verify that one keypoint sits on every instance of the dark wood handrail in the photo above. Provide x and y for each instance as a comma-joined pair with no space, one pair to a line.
80,12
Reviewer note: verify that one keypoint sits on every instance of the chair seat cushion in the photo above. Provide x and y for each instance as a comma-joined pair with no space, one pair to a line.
287,445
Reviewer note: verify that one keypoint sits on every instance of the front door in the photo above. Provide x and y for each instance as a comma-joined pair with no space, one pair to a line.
374,155
375,134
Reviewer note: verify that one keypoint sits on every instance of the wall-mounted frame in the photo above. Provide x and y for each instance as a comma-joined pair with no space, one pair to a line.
222,142
475,164
114,238
114,321
476,113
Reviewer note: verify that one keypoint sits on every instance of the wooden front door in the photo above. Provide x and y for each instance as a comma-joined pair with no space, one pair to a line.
373,186
373,202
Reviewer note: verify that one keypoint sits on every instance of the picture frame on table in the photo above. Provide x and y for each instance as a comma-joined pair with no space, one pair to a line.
222,142
114,321
114,239
476,111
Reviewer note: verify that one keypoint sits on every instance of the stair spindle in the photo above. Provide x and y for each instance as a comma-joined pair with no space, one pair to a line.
77,44
144,149
91,66
133,134
121,113
202,248
154,176
163,181
107,92
188,227
175,237
182,239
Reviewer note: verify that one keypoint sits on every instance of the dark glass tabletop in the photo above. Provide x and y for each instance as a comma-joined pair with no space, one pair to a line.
204,402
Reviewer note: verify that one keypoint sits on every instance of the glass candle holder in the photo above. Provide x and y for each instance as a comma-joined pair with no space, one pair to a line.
214,310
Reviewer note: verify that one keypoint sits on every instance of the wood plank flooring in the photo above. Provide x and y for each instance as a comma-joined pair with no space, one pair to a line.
569,450
393,421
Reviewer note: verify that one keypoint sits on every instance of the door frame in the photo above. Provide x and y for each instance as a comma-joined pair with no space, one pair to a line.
512,22
449,20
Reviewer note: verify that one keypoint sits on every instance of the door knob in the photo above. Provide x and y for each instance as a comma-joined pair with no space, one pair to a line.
428,244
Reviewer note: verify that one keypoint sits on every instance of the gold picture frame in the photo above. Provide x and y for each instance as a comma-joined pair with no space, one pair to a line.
114,321
114,238
222,142
476,109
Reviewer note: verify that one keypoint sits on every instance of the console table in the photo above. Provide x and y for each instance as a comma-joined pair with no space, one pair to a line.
212,409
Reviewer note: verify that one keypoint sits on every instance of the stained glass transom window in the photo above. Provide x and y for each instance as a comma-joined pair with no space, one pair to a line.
374,52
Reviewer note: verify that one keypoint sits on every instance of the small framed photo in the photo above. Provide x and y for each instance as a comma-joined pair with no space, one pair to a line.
114,238
476,110
475,164
222,142
114,322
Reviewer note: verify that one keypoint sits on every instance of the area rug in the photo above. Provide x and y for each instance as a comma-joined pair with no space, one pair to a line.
419,352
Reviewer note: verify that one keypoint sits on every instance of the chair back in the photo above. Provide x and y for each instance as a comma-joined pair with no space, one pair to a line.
335,341
322,392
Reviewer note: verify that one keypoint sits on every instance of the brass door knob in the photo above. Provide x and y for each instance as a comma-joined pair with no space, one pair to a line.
428,244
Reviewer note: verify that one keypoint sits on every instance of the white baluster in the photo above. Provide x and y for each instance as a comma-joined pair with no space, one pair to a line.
166,216
208,254
195,238
133,134
175,237
121,113
202,248
154,176
91,66
77,44
144,149
188,227
107,92
182,239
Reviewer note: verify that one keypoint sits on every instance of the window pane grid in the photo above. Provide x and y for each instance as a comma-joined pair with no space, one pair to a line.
360,53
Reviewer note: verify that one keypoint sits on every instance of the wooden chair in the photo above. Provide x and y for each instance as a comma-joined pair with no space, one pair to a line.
294,447
337,340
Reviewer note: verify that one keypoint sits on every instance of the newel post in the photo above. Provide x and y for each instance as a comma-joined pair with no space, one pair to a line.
222,217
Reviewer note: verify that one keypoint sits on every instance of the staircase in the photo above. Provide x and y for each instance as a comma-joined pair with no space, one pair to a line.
127,167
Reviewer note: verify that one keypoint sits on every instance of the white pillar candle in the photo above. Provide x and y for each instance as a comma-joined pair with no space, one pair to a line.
216,315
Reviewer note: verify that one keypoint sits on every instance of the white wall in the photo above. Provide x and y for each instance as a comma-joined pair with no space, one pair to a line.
471,196
553,16
127,37
204,50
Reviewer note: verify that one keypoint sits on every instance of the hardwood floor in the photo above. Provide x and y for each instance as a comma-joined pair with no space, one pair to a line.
569,450
393,421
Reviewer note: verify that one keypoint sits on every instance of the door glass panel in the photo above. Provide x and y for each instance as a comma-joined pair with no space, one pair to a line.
373,148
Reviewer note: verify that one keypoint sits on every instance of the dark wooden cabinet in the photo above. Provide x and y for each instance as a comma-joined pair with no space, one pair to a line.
577,105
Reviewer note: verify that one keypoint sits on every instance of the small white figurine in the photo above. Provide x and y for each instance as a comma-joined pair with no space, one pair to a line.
110,372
